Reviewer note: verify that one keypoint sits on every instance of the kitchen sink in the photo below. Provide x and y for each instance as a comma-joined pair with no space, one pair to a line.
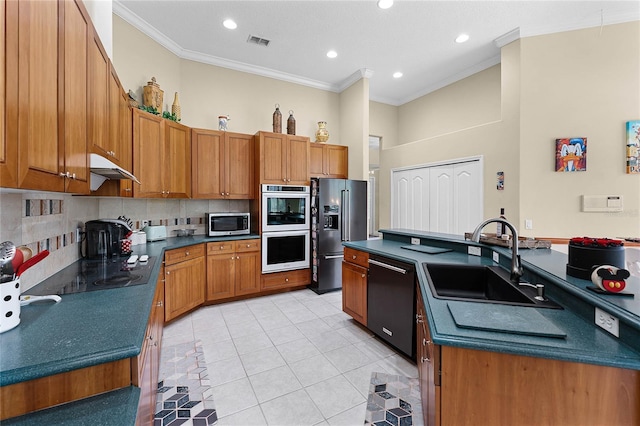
488,284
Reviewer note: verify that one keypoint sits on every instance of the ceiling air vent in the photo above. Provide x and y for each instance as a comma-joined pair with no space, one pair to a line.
259,41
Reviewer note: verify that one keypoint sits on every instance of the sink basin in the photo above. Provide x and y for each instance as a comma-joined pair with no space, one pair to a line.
488,284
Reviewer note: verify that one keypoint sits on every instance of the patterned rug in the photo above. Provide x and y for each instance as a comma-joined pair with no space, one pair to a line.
393,400
184,392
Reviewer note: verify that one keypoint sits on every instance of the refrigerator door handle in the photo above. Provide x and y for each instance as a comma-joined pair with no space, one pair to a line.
342,221
338,256
348,215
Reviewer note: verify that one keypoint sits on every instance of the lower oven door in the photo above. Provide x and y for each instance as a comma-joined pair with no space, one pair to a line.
284,251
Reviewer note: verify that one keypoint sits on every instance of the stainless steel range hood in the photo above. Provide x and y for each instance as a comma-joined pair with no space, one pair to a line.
103,169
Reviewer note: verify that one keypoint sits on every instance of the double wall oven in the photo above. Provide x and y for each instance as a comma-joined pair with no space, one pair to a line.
286,223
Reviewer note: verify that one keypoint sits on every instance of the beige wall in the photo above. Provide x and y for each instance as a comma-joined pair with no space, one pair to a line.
207,91
354,109
482,130
383,122
582,83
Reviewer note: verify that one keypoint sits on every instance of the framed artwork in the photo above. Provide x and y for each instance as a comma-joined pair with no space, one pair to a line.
571,155
633,146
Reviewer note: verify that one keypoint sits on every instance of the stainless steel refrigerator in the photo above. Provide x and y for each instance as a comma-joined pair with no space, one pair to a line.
338,214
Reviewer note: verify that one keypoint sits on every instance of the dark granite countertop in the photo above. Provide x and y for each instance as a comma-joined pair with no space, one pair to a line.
585,342
86,329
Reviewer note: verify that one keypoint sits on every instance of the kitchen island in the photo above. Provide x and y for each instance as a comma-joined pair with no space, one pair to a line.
507,378
86,335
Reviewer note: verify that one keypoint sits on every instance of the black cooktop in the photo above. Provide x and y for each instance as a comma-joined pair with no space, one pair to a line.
93,275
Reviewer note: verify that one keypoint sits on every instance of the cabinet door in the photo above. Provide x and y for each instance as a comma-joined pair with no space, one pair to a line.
184,287
336,161
98,94
273,158
426,358
148,155
247,272
298,161
177,160
126,131
239,166
220,276
207,165
354,291
32,109
8,70
114,116
77,28
316,154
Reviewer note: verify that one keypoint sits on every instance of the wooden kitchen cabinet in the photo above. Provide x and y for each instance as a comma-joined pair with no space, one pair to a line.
283,159
354,291
46,96
161,157
8,151
233,269
184,280
222,165
146,366
328,161
286,279
428,359
99,95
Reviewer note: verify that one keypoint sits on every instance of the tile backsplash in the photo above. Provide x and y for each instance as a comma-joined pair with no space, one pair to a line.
41,220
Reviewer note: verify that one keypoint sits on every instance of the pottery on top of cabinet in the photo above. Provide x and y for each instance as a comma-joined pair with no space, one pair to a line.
152,95
322,134
223,121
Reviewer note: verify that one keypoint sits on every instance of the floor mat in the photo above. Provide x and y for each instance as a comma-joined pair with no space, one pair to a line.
393,400
184,392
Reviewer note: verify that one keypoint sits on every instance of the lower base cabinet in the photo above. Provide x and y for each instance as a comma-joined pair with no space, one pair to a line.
233,269
287,279
354,284
473,387
146,366
184,280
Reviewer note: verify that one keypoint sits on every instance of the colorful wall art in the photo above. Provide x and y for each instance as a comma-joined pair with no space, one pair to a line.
571,155
633,146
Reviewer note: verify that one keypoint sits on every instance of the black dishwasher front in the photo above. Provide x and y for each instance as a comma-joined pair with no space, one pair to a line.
391,302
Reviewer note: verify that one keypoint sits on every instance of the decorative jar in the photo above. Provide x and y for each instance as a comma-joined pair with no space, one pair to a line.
322,134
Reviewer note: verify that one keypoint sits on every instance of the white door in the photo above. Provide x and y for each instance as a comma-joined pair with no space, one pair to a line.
440,198
411,207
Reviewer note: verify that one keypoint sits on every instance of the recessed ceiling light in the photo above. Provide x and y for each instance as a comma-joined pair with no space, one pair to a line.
332,54
397,74
230,24
462,38
385,4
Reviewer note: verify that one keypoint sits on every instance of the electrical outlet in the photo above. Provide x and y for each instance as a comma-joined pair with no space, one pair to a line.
144,223
496,257
415,241
528,224
607,322
474,251
78,234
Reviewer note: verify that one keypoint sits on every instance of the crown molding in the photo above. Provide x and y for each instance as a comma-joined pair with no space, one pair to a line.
588,22
507,38
356,76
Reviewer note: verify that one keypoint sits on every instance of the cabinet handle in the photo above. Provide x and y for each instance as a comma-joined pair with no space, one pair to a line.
354,256
363,275
159,304
127,190
419,319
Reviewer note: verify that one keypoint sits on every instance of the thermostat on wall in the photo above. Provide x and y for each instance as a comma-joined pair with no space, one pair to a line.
602,203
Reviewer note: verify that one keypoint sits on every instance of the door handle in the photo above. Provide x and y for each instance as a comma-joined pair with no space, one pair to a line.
339,256
387,266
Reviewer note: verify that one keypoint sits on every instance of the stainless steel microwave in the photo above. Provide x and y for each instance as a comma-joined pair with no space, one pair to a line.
221,224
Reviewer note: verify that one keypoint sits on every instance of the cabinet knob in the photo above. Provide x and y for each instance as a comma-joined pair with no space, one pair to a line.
354,256
423,359
286,280
227,193
168,272
186,253
363,275
419,319
127,190
159,304
248,245
222,193
221,247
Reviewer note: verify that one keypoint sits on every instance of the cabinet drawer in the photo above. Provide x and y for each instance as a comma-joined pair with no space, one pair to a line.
247,245
220,247
182,254
358,257
285,279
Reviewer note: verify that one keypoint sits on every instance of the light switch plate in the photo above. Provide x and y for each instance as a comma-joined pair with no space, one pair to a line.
474,251
415,241
496,257
607,322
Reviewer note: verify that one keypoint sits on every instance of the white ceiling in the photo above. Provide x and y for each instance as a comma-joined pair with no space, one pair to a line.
414,37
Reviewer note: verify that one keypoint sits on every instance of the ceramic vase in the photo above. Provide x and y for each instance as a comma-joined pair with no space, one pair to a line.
175,108
277,120
322,134
291,124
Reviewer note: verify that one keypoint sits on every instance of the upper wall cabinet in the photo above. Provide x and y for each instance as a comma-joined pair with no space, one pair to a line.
222,165
283,159
328,161
161,157
46,79
8,153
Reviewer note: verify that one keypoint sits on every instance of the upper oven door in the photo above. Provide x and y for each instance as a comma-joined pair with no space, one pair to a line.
282,211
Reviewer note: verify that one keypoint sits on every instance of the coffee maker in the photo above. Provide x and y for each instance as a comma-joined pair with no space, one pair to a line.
103,238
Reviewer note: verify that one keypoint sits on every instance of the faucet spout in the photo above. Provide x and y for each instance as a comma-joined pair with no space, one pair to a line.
516,264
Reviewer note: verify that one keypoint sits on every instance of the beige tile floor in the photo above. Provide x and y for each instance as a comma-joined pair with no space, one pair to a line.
288,359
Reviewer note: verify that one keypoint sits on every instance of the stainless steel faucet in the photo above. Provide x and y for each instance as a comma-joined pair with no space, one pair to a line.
516,264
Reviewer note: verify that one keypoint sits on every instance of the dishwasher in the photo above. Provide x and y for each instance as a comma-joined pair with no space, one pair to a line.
391,302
